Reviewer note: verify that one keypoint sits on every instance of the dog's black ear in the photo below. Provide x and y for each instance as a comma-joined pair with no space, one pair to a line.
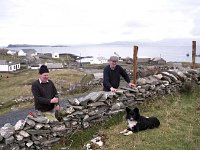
128,109
136,110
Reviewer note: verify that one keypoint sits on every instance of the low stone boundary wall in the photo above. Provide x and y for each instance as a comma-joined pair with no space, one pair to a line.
36,132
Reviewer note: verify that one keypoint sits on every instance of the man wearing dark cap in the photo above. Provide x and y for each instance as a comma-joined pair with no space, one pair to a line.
111,75
45,93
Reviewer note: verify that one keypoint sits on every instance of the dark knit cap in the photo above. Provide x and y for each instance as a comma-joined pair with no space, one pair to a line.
43,69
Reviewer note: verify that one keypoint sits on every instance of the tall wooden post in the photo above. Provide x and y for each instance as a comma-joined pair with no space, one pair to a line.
135,51
193,54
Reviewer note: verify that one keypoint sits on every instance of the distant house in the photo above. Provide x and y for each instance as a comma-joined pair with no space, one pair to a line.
91,60
11,52
55,55
8,66
157,61
27,52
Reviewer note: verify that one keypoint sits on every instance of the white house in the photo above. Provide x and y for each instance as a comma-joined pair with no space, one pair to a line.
8,66
27,52
92,60
10,52
55,55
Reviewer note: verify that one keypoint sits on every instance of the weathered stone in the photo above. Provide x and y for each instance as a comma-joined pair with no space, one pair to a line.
158,76
96,104
1,138
29,143
134,90
4,147
39,119
19,125
141,81
74,101
9,140
78,107
38,132
7,130
38,126
59,128
30,122
115,111
86,125
19,137
68,110
95,96
117,106
24,133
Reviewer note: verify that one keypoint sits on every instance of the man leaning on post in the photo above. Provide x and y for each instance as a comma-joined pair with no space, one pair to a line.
45,94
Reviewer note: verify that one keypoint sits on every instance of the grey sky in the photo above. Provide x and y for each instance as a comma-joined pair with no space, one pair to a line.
96,21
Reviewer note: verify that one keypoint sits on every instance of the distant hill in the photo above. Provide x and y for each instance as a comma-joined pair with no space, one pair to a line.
25,45
165,42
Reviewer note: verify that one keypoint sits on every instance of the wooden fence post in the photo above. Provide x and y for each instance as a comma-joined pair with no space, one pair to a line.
135,51
193,54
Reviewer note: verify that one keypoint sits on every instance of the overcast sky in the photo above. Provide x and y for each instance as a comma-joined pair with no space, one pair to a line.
96,21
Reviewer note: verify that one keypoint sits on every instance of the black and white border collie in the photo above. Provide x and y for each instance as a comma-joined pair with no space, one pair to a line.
136,122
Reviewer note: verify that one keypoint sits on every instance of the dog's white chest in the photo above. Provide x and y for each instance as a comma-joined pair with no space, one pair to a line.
131,124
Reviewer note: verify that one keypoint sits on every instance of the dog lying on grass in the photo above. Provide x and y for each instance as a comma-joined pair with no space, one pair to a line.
136,122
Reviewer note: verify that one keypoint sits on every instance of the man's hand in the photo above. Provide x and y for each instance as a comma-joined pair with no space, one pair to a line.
131,85
113,89
54,100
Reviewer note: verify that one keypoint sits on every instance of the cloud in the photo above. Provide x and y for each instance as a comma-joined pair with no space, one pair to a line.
94,21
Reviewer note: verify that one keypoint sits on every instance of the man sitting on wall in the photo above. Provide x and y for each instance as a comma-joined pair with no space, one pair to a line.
45,94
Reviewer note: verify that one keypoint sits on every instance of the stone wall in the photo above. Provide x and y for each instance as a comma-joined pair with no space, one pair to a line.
37,132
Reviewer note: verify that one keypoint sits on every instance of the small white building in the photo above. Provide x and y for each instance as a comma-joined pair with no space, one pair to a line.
92,60
8,66
27,52
10,52
55,55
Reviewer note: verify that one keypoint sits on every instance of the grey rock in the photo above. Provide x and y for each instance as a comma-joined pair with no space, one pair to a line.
38,132
59,128
29,143
19,125
1,138
39,119
7,130
30,122
24,133
19,137
38,126
9,140
117,106
96,104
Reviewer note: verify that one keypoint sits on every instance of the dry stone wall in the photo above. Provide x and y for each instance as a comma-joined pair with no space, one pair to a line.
37,132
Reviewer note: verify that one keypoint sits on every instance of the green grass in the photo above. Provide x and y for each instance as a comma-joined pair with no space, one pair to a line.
179,129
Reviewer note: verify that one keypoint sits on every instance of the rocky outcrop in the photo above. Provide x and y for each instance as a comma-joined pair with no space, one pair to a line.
36,132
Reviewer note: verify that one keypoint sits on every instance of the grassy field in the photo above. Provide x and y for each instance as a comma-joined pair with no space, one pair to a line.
13,86
179,129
